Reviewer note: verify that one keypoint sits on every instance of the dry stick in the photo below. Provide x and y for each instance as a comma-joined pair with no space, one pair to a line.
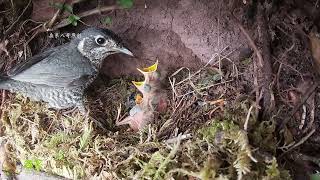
259,56
55,17
263,63
304,139
209,62
245,126
2,111
303,117
312,117
66,22
8,31
303,157
49,24
118,114
289,66
207,87
268,98
256,87
251,42
304,98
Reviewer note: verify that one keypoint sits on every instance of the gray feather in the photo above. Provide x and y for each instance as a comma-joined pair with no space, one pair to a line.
58,69
60,75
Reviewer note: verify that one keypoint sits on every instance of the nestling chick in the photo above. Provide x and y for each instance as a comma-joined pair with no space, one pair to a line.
60,75
154,99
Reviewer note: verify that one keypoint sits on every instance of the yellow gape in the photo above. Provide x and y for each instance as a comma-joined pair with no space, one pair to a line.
152,99
149,69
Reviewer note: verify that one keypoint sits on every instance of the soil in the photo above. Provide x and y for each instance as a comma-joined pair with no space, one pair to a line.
188,33
176,33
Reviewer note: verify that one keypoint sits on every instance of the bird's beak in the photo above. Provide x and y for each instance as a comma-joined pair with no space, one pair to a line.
125,51
150,69
139,85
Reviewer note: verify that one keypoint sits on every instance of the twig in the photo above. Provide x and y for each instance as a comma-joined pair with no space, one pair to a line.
278,84
312,116
259,57
304,139
66,22
199,89
3,99
267,75
8,31
245,126
185,172
176,107
214,110
6,10
256,86
55,17
251,42
304,157
289,66
2,111
174,92
118,114
176,139
219,57
304,98
303,117
170,156
209,62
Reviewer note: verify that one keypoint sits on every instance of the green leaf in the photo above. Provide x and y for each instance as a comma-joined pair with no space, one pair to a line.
315,176
76,17
74,23
68,8
107,20
73,19
56,5
85,138
125,3
28,164
37,164
61,6
216,77
246,61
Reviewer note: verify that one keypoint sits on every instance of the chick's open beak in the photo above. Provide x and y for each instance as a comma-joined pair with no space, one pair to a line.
124,50
150,69
139,85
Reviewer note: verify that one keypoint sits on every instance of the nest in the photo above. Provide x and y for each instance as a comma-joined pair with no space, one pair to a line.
200,136
209,131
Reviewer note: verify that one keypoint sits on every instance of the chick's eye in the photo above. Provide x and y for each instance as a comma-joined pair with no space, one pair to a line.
100,40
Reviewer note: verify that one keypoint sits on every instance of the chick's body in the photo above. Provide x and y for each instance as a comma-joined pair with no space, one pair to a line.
154,99
60,75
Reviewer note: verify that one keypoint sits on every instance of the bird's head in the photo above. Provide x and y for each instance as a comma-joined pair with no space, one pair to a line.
97,43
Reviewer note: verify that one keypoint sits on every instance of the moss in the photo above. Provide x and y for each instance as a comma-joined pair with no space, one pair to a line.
274,173
70,146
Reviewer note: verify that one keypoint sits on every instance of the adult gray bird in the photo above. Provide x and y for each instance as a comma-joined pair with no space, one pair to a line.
60,75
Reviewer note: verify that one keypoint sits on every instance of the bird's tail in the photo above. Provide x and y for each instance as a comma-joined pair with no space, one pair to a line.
4,82
24,88
15,86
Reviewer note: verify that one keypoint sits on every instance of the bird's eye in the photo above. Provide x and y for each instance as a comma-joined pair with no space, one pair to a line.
101,41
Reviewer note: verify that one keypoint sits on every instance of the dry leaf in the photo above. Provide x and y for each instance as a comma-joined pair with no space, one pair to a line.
315,49
3,47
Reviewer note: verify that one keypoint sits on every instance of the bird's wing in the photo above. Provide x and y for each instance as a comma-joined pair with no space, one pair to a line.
26,64
80,81
58,67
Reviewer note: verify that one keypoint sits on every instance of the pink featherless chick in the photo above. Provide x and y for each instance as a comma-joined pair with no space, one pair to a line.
154,99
